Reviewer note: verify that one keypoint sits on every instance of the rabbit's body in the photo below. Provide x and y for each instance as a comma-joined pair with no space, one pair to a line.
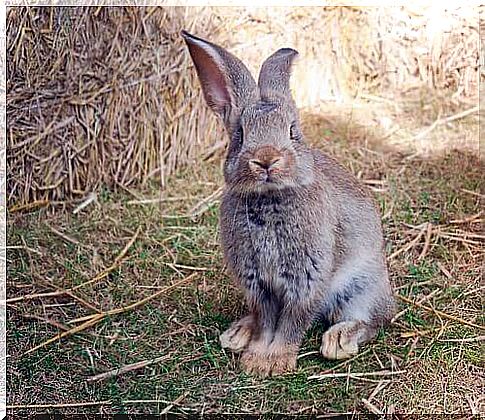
300,234
301,249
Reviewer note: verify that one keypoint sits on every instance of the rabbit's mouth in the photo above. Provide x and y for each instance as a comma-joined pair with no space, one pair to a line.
270,182
268,179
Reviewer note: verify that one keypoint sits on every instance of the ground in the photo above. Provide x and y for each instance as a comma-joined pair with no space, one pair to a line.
428,361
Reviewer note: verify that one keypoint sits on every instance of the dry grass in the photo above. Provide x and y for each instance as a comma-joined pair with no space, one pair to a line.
439,199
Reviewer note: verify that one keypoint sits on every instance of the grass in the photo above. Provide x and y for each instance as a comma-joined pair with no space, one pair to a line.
442,376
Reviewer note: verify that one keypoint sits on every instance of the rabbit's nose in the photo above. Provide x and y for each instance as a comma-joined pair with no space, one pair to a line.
263,163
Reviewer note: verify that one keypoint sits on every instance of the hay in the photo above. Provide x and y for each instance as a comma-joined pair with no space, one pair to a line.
346,51
100,96
106,95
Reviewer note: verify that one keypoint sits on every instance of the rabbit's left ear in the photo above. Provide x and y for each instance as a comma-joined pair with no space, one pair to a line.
274,77
226,82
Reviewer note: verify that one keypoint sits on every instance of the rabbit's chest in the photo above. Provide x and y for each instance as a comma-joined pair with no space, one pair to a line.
277,255
270,224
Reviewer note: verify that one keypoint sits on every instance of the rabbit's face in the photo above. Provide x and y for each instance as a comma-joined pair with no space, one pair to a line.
266,149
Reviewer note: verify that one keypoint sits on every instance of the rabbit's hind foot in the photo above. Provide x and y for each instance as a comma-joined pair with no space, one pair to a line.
270,361
341,341
236,338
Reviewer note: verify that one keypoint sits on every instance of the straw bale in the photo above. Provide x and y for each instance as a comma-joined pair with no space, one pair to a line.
100,96
107,95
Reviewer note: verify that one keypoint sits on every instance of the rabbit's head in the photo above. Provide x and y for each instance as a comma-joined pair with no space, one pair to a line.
266,149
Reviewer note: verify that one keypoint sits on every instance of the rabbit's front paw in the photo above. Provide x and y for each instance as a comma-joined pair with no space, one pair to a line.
271,361
340,341
236,338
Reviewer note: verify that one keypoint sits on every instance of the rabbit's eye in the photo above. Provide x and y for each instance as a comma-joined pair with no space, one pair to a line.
237,139
294,132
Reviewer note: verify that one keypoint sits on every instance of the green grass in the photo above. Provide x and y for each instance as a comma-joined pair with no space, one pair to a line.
185,323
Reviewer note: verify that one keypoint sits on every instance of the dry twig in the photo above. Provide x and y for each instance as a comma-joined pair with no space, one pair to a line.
410,244
205,204
445,120
65,405
464,340
371,407
128,368
91,320
28,206
439,313
427,240
177,401
422,300
357,374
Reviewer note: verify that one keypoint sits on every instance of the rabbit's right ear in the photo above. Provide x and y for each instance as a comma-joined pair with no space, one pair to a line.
226,82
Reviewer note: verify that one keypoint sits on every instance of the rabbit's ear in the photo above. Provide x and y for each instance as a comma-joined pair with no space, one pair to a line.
226,82
274,77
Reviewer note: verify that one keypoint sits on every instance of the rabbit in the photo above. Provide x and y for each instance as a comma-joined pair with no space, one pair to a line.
299,233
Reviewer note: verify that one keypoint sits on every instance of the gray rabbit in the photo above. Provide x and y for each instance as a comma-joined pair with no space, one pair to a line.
300,234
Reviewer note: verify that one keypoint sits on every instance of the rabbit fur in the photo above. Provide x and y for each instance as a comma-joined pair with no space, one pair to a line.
300,235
